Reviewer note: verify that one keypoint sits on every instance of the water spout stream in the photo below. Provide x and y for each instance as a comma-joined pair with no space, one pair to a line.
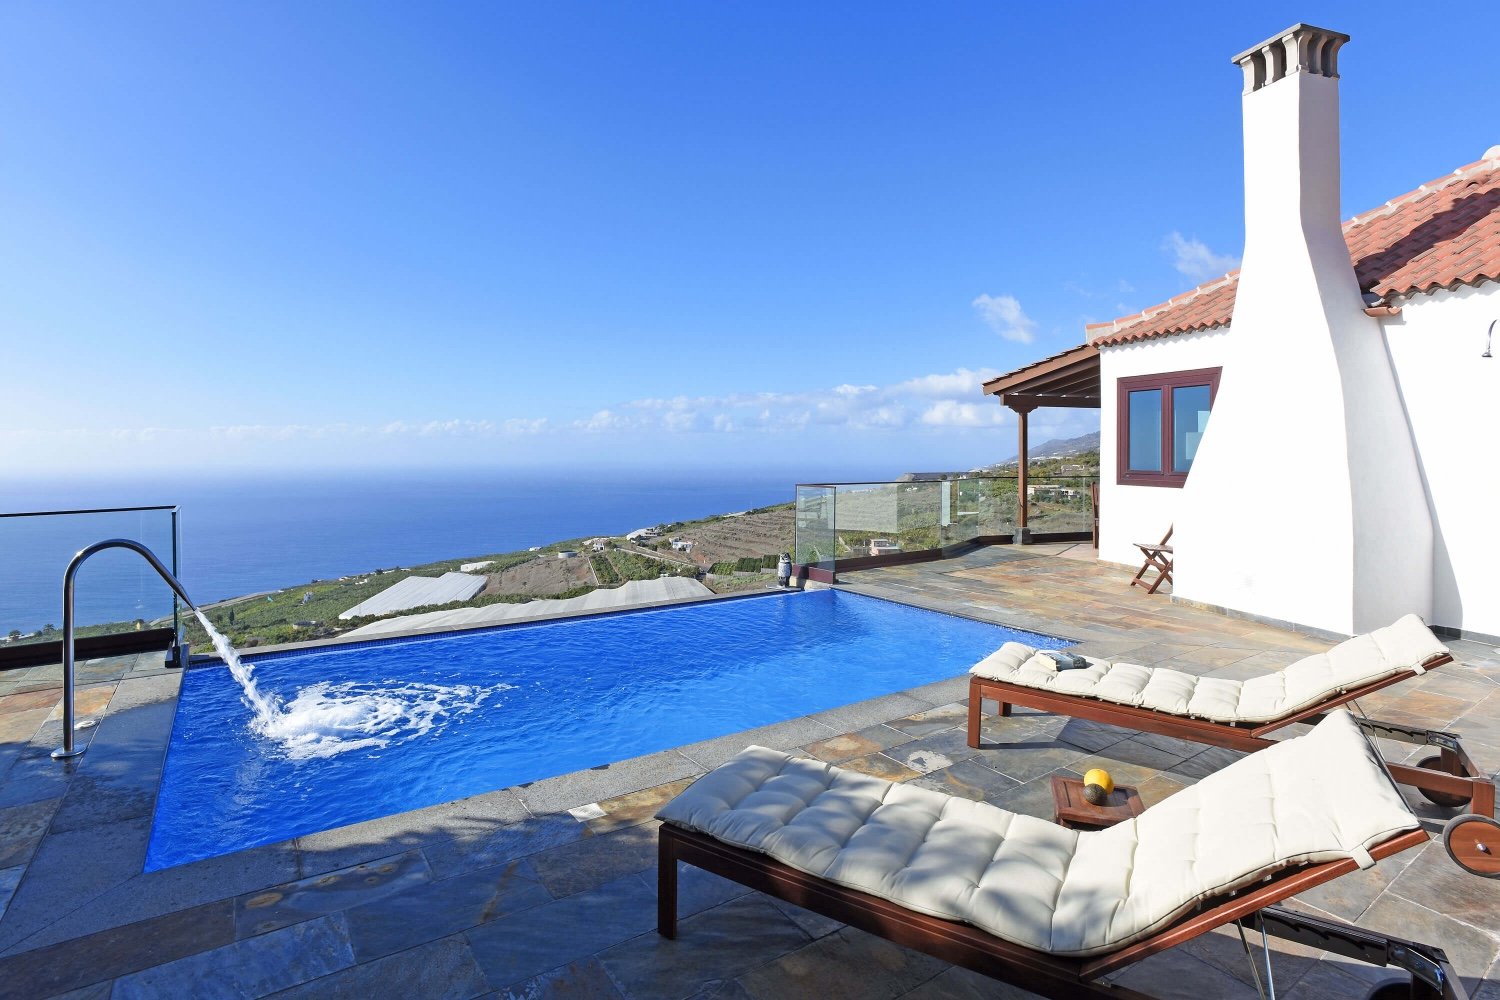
267,708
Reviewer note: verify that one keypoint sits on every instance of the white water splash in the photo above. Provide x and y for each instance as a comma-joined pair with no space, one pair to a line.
327,718
265,707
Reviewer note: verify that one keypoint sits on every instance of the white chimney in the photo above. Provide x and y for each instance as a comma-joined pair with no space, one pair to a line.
1305,503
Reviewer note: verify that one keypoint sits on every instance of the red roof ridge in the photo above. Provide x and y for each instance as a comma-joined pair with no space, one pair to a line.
1439,235
1423,190
1147,313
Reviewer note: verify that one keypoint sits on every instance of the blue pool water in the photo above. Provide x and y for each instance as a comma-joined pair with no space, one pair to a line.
379,728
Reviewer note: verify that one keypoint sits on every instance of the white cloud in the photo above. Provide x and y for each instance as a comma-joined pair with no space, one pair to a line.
952,413
1193,258
1004,315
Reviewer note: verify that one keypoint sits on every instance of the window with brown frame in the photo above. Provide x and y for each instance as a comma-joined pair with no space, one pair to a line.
1159,423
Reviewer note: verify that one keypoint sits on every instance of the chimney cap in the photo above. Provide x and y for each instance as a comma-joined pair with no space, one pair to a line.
1302,48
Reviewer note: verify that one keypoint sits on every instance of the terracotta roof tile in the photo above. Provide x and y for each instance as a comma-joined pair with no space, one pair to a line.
1444,234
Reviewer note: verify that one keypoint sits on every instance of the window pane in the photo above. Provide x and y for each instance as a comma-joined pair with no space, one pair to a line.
1189,418
1145,431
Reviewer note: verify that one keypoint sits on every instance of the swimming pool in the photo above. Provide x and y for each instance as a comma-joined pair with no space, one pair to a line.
456,714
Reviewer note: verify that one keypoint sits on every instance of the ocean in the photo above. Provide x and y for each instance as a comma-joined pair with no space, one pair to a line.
241,536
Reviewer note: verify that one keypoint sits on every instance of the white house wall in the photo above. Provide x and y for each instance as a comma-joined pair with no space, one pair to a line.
1452,400
1129,514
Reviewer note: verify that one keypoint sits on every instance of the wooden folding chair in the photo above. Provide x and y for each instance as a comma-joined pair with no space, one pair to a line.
1159,558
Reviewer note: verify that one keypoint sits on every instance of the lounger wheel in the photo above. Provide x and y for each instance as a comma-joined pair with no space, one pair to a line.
1445,799
1473,842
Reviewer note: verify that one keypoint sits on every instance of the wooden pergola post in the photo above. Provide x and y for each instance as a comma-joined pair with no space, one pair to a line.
1068,379
1023,461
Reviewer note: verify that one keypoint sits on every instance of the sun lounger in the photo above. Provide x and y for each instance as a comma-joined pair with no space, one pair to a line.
1047,908
1239,715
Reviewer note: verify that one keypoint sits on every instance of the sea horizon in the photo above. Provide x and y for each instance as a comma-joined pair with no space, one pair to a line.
243,535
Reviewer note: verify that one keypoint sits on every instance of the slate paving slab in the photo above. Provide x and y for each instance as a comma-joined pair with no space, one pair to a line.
440,970
593,860
842,965
582,980
21,829
416,914
521,945
269,909
634,808
720,943
967,779
845,746
509,842
98,957
250,968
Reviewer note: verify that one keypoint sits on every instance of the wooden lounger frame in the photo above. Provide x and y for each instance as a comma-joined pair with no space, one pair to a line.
1459,776
1040,972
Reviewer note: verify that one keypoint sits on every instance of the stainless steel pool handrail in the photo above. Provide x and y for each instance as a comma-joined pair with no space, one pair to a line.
68,749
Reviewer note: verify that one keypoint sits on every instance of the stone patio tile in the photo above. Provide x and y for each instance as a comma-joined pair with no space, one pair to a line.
21,829
20,727
521,945
961,984
848,718
431,910
69,871
152,894
569,790
250,968
269,909
1141,755
934,752
720,943
33,775
474,820
98,991
847,964
1471,950
1092,736
634,808
1349,896
1158,788
582,980
1175,974
440,970
871,739
9,879
510,842
1204,763
932,721
594,860
777,736
1172,745
1029,763
1222,948
1434,881
89,702
1217,656
814,925
968,779
30,701
881,766
100,957
1034,798
1330,978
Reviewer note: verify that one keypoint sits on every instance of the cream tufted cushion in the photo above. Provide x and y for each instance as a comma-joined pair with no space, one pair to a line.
1319,797
1404,645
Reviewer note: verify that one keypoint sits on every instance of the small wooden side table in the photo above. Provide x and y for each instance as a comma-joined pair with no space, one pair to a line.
1075,812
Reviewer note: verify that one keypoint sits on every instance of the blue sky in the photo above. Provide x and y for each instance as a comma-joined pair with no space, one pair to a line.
795,236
